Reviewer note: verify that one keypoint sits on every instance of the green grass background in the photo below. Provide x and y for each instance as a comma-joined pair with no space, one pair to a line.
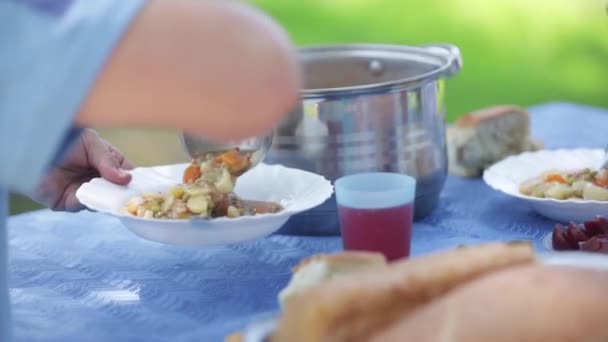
514,51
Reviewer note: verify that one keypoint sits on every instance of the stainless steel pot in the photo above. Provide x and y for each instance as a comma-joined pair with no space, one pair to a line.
369,108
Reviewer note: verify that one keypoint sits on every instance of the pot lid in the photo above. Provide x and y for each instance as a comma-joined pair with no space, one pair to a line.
361,68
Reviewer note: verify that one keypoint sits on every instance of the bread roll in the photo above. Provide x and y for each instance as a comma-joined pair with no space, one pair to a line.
322,267
319,268
235,337
482,138
354,306
523,304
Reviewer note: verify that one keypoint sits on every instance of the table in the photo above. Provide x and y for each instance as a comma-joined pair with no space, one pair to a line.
83,277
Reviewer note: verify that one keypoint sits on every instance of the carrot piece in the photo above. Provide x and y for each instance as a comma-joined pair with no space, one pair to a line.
233,160
556,178
192,173
601,179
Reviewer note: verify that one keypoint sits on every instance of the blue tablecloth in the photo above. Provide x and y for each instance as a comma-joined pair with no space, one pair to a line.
83,277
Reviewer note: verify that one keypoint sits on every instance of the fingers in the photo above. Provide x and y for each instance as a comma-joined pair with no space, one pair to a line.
107,160
111,167
69,201
125,164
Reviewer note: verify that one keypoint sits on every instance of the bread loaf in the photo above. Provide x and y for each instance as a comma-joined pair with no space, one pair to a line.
322,267
482,138
355,306
319,268
524,304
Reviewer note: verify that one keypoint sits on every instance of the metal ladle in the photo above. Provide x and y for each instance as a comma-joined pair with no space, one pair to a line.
197,147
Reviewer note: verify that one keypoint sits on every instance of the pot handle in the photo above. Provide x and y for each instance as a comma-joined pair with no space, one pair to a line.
450,53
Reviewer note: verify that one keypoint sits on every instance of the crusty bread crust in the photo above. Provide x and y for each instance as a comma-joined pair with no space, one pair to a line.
344,258
473,119
234,337
525,304
322,267
354,306
484,137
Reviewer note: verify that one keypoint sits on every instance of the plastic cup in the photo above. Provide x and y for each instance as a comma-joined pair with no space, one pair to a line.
376,212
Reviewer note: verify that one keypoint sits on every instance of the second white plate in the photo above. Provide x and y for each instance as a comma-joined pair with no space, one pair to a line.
507,176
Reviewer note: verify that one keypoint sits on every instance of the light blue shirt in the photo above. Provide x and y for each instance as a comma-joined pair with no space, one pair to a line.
50,54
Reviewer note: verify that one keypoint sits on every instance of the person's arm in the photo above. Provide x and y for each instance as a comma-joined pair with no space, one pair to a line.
221,69
216,68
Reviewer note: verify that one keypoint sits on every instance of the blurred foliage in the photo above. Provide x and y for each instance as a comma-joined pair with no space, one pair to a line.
20,204
515,51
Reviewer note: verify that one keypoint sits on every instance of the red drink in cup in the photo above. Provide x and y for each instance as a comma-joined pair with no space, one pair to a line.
376,212
386,230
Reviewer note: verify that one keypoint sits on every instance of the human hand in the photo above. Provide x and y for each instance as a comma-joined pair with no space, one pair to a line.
90,157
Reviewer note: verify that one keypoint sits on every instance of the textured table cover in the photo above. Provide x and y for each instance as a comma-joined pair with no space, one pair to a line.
83,277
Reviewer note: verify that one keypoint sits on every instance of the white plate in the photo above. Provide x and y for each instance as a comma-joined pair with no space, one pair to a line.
261,328
295,189
508,174
594,261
